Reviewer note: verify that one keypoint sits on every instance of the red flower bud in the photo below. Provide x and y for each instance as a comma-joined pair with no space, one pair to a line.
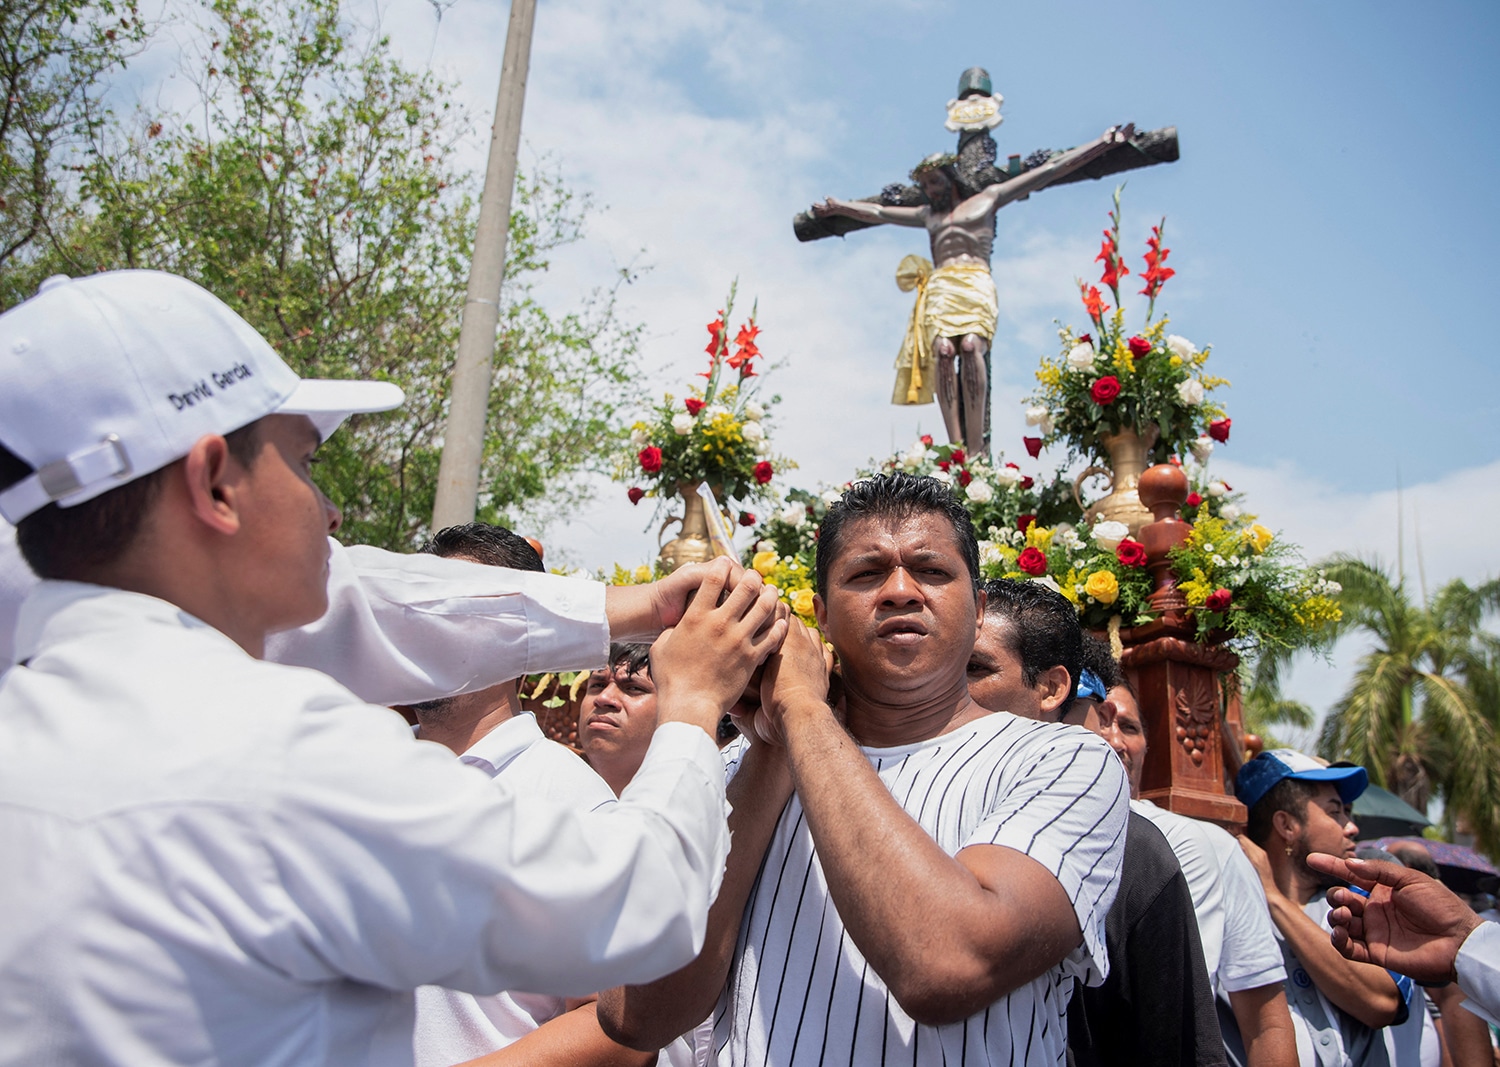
1139,346
1032,561
1105,390
1025,522
1176,461
1131,553
1027,482
943,465
1219,429
964,478
693,405
926,440
763,472
1194,499
1033,446
747,518
650,458
1218,600
635,494
957,456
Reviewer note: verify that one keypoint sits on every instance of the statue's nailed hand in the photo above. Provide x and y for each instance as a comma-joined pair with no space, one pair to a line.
827,206
1119,134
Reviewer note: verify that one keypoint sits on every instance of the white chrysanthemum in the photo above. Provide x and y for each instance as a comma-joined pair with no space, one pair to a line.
1190,392
1081,356
1067,537
794,515
1180,346
980,492
989,554
640,437
753,432
1108,534
754,412
682,423
1202,448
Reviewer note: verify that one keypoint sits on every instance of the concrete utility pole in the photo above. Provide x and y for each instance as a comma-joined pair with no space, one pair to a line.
463,440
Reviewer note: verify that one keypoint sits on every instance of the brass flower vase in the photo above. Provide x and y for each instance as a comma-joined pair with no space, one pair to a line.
691,545
1127,462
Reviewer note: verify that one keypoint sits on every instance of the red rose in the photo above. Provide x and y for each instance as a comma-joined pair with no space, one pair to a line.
1219,429
693,404
956,456
1033,446
1131,553
944,465
650,458
1085,339
1194,499
1105,390
635,494
1027,482
926,440
1024,522
763,471
964,478
1139,346
1032,561
747,518
1218,600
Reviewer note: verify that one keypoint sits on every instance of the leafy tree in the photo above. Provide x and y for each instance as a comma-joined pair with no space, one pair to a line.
1422,713
316,193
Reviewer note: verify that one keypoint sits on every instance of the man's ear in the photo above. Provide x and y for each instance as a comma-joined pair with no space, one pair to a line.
212,481
1286,825
820,612
980,600
1052,688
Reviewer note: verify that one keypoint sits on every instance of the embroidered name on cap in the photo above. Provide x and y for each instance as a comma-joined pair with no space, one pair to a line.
203,391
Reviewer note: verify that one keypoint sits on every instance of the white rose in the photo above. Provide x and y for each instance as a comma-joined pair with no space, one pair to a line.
943,476
765,546
752,432
763,448
794,515
640,438
912,460
1190,392
713,411
989,554
1081,356
831,496
1202,448
917,449
1048,581
1007,476
980,492
754,412
682,423
1229,512
1108,534
1217,489
1180,346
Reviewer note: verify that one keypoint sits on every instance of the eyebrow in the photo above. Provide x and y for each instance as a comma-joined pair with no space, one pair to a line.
923,555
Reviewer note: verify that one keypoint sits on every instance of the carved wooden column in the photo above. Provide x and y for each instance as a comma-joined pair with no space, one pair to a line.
1177,680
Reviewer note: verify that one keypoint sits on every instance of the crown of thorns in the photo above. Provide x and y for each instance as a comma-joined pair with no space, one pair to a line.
936,161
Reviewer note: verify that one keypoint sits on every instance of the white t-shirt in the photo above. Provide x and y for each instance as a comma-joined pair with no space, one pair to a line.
1234,921
212,859
799,990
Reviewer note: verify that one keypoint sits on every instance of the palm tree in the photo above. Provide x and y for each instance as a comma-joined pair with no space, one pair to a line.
1423,713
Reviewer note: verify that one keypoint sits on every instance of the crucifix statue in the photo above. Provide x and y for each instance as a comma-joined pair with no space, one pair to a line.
956,196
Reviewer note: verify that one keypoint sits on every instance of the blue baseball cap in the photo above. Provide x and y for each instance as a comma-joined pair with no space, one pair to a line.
1089,686
1258,776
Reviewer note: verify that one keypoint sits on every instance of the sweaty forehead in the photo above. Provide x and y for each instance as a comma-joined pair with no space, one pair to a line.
924,533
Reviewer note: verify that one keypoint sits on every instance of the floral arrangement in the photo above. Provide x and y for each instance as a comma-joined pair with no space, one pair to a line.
1110,380
715,434
1100,569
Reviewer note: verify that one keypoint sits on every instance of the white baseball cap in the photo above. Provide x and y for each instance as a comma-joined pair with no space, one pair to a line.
106,378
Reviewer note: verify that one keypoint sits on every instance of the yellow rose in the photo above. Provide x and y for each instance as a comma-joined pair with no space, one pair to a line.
765,562
1103,587
1259,537
802,602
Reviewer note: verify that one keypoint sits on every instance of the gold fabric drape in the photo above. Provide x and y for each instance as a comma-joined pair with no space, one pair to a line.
952,301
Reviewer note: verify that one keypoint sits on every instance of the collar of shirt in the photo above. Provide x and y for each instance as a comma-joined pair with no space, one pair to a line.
55,612
493,752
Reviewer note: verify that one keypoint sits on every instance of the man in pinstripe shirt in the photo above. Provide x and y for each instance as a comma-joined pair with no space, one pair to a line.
912,878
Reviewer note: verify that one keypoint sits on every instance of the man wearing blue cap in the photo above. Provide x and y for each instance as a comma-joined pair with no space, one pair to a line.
1299,806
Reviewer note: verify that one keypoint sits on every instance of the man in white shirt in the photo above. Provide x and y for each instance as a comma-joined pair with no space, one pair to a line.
938,883
220,856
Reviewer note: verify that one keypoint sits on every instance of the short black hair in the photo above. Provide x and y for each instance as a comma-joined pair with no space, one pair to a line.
894,496
1098,658
1289,795
71,543
482,542
1044,631
633,656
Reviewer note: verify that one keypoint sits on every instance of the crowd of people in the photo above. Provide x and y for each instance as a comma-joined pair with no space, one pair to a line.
921,841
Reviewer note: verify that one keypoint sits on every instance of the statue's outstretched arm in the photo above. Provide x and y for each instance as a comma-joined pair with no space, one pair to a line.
1058,166
874,214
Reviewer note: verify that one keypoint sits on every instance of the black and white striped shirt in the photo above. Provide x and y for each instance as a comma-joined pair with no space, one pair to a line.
800,992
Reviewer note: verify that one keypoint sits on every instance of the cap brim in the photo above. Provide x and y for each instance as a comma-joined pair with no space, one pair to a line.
328,401
1352,781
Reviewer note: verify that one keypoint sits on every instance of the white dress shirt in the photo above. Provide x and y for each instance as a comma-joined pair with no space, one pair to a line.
216,860
1478,968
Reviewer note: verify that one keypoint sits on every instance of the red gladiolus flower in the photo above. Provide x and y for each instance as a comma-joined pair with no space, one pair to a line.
964,478
1114,266
1105,390
1219,429
746,349
1093,303
1131,553
1025,522
1027,482
1032,561
926,440
956,456
1194,499
650,458
747,518
763,472
1033,446
716,331
1218,600
1139,346
635,494
693,405
1157,274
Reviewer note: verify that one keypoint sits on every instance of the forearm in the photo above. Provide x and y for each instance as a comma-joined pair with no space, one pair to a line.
1265,1026
879,214
1361,990
1466,1034
650,1016
573,1038
632,612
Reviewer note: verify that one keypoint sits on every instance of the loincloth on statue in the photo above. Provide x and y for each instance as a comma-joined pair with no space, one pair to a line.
952,301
